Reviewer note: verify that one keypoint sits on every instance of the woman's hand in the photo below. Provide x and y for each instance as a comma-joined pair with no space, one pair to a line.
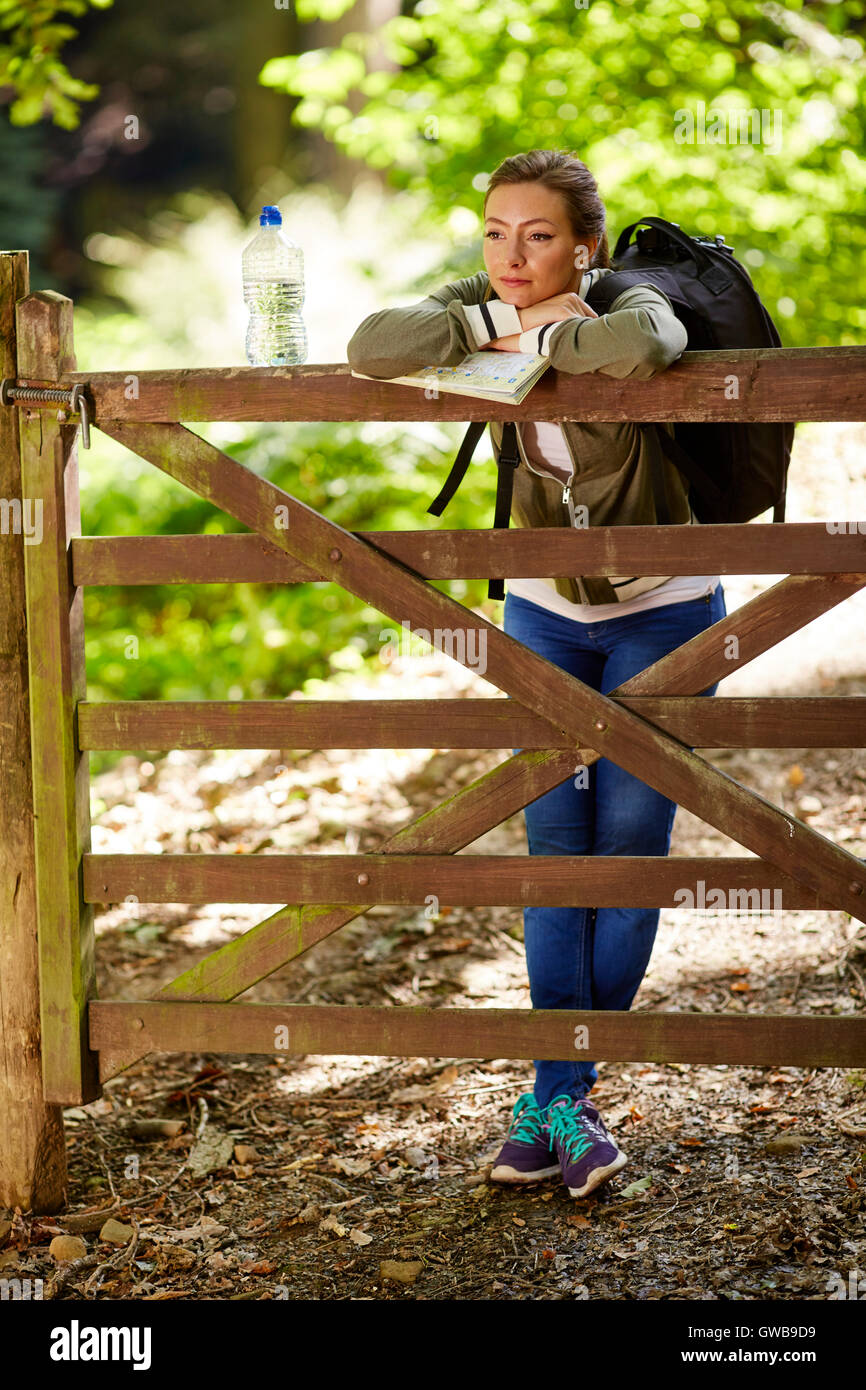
554,310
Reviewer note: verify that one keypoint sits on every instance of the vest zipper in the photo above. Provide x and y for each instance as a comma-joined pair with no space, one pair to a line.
566,490
566,493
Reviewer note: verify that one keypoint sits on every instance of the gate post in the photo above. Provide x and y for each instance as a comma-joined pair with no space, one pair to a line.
57,680
32,1148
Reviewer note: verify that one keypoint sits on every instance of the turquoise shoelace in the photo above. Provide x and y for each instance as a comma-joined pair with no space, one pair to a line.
528,1120
567,1124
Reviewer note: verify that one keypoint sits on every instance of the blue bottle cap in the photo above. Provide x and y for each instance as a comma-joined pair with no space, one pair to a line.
270,216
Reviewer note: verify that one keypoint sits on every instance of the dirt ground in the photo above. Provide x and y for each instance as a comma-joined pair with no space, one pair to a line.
366,1178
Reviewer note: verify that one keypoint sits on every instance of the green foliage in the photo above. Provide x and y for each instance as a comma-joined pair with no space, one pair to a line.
478,81
30,61
176,301
243,641
262,641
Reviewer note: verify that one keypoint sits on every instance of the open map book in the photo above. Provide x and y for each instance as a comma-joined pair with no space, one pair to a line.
491,376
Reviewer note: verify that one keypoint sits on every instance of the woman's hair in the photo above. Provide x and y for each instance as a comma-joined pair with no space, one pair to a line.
567,175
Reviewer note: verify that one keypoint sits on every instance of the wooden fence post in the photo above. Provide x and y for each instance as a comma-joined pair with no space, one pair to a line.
32,1150
55,644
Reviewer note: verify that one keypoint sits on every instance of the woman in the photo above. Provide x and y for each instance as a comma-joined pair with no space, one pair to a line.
544,246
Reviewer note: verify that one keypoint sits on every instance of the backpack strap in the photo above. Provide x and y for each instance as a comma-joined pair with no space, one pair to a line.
703,483
464,453
509,461
660,497
458,467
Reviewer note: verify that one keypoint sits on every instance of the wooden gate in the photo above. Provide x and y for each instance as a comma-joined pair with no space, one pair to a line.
649,726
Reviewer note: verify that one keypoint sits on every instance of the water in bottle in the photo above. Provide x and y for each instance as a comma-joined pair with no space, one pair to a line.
273,275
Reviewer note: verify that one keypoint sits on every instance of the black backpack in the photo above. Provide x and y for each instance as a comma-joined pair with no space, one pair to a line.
735,471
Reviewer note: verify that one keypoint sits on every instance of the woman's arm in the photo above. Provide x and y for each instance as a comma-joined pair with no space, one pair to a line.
440,330
639,336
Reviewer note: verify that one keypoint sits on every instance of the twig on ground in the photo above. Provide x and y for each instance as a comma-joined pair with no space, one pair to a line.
101,1149
115,1261
157,1191
667,1210
329,1182
66,1272
203,1118
265,1129
858,1131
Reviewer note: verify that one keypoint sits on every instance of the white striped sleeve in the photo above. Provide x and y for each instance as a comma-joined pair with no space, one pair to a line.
492,320
537,339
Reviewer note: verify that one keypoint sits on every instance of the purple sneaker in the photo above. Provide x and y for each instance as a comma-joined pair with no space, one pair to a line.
526,1154
587,1154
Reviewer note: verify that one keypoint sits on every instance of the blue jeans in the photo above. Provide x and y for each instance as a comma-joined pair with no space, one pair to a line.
585,957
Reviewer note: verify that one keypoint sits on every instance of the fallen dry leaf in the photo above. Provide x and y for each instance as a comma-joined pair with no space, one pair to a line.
330,1223
400,1271
210,1153
635,1188
352,1167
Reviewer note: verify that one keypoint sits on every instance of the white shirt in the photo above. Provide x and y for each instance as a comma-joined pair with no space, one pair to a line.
545,445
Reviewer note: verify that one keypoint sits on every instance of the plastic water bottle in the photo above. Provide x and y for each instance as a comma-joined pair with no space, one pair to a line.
273,275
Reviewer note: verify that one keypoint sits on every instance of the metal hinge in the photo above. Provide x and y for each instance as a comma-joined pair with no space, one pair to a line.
71,398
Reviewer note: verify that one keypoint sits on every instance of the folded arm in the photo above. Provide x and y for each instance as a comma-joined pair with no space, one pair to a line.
439,331
639,336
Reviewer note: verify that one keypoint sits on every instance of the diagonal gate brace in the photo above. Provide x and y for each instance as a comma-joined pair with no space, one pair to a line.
664,763
497,795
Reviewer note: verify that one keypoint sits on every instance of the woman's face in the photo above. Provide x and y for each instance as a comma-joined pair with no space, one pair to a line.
529,246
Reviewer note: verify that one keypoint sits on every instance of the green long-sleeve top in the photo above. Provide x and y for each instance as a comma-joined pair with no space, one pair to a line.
638,337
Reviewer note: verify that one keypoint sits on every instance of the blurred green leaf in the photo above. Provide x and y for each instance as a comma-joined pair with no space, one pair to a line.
477,81
30,62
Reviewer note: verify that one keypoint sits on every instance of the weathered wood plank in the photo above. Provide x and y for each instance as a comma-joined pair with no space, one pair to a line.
770,617
462,880
61,788
493,797
742,722
795,548
807,383
585,714
793,1040
296,928
32,1148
